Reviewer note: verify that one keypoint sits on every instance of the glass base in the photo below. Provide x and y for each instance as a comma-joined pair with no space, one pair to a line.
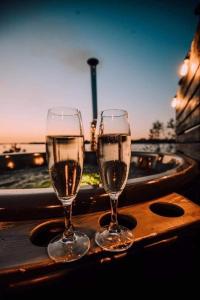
61,251
114,241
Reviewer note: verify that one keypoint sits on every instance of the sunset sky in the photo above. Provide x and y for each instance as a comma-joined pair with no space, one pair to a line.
44,46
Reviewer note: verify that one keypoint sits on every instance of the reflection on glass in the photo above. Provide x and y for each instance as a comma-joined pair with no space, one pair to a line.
65,148
114,153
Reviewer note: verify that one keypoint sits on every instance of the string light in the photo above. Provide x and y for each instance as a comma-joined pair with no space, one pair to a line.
175,102
184,67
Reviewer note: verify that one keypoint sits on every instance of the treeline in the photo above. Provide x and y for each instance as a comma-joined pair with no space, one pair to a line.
160,133
159,130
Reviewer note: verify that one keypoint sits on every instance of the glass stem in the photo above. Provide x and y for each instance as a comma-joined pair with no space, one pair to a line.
68,234
113,227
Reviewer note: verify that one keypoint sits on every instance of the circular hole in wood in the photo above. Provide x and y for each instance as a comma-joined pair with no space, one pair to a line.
43,233
125,220
166,209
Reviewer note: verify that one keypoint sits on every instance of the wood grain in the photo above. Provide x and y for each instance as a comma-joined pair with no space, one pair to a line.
192,119
190,149
193,135
190,104
18,255
188,110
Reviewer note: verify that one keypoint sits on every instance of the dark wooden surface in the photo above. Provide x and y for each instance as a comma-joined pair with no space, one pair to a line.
191,120
188,110
192,135
190,149
25,264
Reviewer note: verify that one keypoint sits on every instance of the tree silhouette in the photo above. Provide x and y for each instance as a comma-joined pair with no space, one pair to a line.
159,130
156,130
171,129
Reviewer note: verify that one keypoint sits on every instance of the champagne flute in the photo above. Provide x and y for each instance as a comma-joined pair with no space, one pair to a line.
65,148
114,153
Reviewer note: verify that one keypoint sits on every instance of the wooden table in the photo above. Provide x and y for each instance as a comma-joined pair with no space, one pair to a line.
23,257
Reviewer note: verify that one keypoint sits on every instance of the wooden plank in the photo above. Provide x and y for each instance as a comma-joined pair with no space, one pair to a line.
190,102
191,78
150,228
190,149
186,95
192,120
188,111
193,135
194,60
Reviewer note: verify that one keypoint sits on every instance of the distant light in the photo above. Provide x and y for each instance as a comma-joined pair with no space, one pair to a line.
38,160
184,67
10,165
175,102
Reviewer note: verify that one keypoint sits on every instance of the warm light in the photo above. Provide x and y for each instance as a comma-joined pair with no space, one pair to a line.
175,102
193,67
10,165
38,160
36,154
184,68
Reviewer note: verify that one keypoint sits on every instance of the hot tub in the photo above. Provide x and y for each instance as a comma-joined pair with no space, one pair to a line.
151,175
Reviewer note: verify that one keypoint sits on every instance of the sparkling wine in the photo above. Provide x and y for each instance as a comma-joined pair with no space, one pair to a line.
114,160
65,162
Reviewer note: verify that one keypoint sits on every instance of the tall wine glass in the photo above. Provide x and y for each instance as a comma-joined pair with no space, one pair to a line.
114,153
65,149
